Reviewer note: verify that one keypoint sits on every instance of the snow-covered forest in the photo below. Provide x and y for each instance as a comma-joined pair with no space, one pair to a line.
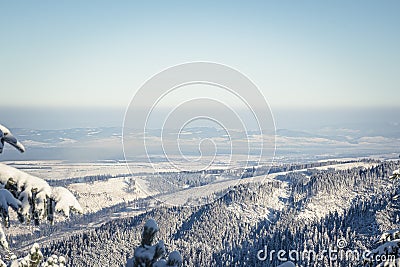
230,231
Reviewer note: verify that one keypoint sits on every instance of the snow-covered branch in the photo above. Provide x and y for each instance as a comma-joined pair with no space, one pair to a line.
32,197
7,137
395,175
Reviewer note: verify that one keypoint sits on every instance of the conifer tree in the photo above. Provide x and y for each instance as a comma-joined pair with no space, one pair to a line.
149,255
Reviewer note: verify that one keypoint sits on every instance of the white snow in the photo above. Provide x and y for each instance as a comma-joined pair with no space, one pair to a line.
8,200
101,194
3,239
65,201
151,224
346,166
6,136
27,184
175,257
23,180
146,253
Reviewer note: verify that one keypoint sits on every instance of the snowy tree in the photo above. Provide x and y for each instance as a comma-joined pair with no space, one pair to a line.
148,255
55,261
34,258
388,243
130,184
33,199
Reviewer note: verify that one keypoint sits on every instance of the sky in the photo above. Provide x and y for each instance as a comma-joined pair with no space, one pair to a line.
84,54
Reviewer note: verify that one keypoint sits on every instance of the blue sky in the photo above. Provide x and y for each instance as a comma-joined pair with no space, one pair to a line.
299,53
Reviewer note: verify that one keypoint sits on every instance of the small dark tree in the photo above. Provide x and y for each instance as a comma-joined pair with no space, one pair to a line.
148,255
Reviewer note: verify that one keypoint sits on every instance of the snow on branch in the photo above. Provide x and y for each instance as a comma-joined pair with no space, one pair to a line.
65,201
32,197
395,175
7,137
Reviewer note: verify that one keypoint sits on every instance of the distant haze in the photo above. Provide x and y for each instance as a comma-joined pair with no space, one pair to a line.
369,119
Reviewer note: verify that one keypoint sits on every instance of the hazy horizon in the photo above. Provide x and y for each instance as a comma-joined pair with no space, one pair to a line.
290,118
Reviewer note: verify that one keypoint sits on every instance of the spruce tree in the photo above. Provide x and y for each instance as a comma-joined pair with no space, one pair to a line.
149,255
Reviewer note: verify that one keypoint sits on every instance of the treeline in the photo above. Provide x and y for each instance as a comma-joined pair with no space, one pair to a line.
86,179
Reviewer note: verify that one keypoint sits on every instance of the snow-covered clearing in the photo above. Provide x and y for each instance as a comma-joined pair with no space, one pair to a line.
101,194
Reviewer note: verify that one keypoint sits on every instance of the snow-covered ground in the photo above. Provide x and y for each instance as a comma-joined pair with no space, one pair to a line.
98,195
59,170
101,194
346,166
